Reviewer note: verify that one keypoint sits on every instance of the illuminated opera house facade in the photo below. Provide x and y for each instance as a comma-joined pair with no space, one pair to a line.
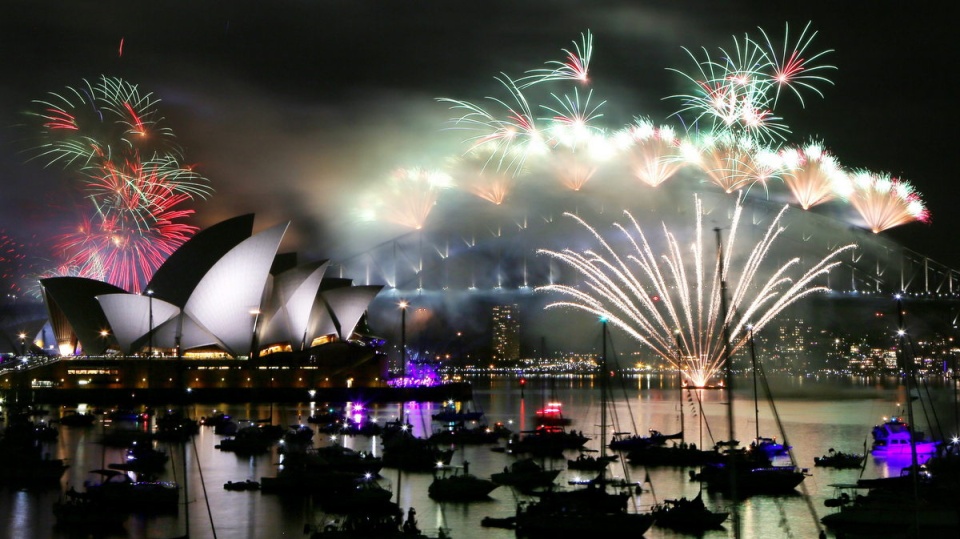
224,295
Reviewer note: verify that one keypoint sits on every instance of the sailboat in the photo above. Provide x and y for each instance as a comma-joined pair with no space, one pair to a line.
589,510
660,454
745,472
752,470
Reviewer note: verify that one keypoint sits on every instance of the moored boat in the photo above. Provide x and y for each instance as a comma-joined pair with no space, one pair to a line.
524,475
839,459
77,512
752,473
894,437
119,491
241,485
551,415
591,464
456,484
624,441
688,515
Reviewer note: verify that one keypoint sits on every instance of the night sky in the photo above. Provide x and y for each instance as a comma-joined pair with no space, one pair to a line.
289,107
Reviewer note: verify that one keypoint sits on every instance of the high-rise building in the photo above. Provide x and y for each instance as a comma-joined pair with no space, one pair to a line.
506,333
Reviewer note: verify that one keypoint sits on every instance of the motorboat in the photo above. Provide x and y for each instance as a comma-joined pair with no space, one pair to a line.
624,441
118,490
688,515
459,434
450,413
591,464
546,441
895,437
456,484
241,485
524,475
76,511
143,459
752,473
382,524
552,415
839,459
673,455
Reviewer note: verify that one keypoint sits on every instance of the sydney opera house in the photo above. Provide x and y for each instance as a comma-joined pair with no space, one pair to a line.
228,304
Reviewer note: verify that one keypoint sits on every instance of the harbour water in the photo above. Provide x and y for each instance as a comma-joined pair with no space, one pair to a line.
817,414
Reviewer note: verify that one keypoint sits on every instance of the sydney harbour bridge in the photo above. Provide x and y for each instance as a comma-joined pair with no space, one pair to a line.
471,254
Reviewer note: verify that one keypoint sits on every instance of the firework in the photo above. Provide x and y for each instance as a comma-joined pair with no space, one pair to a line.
791,70
412,194
508,140
470,173
142,189
664,300
120,251
654,152
111,135
884,201
813,175
102,121
574,67
724,160
12,261
737,92
571,122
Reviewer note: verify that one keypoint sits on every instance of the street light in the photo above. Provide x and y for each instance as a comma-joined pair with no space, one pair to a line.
23,343
403,339
103,335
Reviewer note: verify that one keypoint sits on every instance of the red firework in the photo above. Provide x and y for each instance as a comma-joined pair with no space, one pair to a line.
116,248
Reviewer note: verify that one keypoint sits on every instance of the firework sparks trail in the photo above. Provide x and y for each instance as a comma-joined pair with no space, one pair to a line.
469,173
111,134
791,70
724,161
575,67
142,190
413,192
884,201
733,134
12,262
737,92
813,175
660,300
101,121
108,247
510,140
571,121
654,153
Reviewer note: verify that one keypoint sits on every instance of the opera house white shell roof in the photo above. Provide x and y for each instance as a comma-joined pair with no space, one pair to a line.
217,290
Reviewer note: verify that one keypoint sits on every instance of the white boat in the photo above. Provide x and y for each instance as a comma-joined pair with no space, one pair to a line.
893,437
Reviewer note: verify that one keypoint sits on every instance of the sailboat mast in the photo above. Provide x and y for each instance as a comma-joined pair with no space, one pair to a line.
680,382
603,392
907,365
756,396
728,379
